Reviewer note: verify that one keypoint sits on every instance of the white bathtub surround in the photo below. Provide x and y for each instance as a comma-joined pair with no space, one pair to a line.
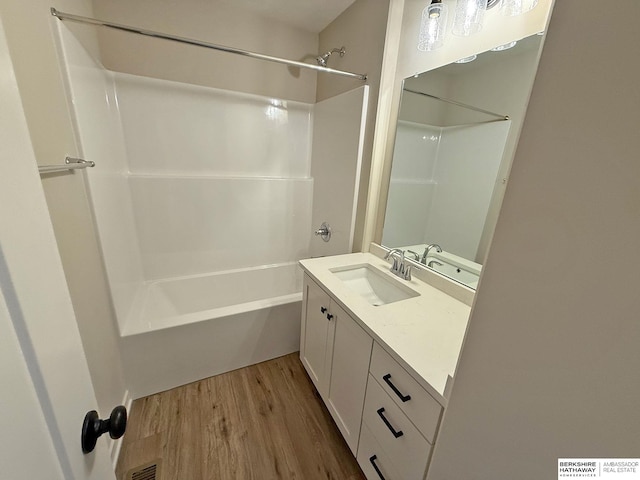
203,203
338,142
424,333
456,166
178,301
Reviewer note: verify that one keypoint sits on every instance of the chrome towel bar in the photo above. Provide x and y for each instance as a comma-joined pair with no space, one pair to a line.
70,163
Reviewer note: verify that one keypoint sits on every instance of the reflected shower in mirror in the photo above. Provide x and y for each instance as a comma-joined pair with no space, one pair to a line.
456,135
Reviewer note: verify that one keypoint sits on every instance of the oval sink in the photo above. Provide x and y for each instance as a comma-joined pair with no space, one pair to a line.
371,284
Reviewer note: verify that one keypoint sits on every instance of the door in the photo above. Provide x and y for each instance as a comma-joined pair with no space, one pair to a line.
317,331
46,387
349,372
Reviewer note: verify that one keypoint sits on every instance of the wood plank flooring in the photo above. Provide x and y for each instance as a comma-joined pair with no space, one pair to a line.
260,422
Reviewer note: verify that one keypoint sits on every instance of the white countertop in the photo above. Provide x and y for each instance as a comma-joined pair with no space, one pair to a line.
424,333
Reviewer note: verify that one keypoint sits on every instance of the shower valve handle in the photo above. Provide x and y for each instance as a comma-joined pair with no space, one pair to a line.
324,231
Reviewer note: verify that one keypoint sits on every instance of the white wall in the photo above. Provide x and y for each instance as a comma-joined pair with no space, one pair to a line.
31,40
549,365
214,22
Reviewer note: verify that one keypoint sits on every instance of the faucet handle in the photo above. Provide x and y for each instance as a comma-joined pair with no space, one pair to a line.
407,272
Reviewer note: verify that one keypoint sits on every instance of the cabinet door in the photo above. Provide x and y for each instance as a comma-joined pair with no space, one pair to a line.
349,370
317,335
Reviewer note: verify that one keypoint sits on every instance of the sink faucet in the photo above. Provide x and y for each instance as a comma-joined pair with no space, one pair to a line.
428,249
399,268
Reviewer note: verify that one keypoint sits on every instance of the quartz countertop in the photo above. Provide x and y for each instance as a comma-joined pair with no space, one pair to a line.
424,333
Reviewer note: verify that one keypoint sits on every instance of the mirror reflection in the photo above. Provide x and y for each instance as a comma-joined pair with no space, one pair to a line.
456,135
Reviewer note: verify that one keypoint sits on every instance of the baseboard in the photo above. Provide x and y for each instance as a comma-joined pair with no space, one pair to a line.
116,445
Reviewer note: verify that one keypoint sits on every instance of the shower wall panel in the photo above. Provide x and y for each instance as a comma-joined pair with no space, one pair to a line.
188,179
176,128
100,139
412,184
338,142
466,173
191,225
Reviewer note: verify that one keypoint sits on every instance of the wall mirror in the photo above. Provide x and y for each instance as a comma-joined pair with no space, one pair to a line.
455,138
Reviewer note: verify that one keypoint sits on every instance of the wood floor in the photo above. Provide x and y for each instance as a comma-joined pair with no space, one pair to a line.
261,422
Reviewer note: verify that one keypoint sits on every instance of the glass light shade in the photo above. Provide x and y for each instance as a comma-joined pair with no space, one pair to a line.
432,25
468,17
511,8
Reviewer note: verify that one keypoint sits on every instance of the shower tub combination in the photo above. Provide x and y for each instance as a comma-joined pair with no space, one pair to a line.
194,327
203,205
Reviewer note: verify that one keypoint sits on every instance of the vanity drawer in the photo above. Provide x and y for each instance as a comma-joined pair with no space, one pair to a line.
372,459
421,408
399,439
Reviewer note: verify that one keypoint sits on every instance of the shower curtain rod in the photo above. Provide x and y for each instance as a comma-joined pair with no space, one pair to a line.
459,104
150,33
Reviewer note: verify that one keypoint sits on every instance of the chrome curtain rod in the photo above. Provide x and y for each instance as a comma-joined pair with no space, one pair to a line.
459,104
70,163
198,43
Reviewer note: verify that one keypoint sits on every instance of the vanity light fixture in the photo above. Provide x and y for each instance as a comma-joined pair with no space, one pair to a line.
432,25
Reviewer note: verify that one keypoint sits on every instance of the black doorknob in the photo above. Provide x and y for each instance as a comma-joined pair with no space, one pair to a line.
93,427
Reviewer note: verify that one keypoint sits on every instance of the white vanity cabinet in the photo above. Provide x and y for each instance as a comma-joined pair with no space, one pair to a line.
382,369
336,353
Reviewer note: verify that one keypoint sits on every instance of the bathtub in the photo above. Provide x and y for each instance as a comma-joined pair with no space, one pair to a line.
184,329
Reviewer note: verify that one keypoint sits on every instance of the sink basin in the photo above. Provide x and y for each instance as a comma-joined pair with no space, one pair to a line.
371,284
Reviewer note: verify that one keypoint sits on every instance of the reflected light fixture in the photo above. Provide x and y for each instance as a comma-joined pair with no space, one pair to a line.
511,8
468,59
432,25
506,46
468,17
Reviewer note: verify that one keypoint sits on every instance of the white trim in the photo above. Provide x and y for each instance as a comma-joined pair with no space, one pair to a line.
115,446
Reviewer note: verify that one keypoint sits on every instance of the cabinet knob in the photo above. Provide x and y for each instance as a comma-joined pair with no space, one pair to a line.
323,310
329,316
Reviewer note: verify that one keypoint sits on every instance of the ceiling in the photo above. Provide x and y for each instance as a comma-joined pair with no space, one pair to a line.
311,15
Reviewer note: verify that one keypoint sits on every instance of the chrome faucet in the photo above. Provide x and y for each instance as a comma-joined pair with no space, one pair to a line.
428,249
399,268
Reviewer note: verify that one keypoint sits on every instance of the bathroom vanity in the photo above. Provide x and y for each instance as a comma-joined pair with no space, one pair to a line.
381,352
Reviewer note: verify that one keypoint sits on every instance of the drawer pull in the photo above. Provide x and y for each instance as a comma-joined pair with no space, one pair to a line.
387,379
329,316
323,309
396,434
373,459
